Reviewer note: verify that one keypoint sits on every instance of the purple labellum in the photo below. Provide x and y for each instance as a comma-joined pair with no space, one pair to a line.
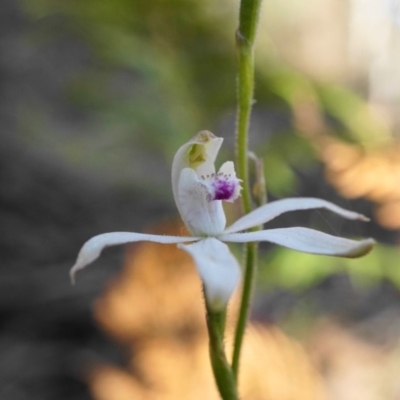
221,186
223,189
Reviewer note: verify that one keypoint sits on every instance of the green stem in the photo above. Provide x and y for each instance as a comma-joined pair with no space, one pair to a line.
245,98
245,37
248,283
223,374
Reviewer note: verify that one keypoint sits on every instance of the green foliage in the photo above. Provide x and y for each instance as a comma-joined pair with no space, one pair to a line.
360,126
298,271
282,155
178,47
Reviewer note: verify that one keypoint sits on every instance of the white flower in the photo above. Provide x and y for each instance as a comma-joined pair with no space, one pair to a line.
199,191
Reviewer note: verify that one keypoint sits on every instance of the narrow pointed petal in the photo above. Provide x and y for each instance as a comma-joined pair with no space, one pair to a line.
218,269
93,247
306,240
199,153
272,210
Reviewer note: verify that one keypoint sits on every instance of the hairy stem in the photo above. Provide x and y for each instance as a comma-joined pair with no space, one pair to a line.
247,289
245,37
223,374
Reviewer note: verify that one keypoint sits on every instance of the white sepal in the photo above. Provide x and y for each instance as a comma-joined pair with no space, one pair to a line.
272,210
305,240
218,270
93,247
201,216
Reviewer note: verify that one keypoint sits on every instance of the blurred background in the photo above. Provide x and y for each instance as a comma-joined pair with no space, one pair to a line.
96,96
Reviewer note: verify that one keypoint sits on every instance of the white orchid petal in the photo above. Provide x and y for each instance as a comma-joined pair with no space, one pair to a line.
305,240
218,270
200,215
198,153
93,247
271,210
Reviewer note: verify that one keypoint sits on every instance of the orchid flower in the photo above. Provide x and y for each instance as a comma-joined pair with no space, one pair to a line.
198,192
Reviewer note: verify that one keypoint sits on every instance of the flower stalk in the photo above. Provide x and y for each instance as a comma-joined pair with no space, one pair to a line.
223,373
245,39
